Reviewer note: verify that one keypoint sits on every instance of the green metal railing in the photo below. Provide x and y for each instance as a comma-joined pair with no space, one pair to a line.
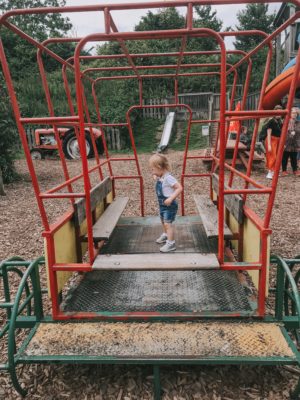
26,311
16,307
287,299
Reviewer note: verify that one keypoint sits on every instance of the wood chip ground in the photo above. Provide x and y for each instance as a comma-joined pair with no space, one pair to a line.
21,230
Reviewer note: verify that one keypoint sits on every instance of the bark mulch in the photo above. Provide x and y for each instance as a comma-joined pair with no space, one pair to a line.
21,230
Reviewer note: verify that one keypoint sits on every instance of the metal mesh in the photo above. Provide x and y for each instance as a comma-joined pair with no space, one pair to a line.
140,238
158,291
160,340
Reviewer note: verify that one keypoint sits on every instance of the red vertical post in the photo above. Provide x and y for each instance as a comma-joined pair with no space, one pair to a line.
243,104
51,113
136,161
255,132
22,133
222,152
97,107
86,179
291,97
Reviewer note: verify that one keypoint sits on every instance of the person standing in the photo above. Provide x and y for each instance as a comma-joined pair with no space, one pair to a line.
292,144
273,128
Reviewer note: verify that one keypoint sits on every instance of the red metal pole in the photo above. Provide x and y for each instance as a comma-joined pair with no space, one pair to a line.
282,140
87,184
243,104
97,107
22,133
51,113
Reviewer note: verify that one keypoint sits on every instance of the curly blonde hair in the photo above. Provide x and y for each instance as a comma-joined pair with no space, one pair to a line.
159,161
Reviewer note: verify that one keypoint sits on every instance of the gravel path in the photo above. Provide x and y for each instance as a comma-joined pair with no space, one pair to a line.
21,230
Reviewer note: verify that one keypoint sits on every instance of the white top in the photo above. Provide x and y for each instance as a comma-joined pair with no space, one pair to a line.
168,181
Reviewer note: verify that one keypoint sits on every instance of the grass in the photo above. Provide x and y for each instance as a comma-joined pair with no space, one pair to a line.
145,132
197,141
147,137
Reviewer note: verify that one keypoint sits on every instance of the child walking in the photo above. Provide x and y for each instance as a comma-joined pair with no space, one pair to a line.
167,189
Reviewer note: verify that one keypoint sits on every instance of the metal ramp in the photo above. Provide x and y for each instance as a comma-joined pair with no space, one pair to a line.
162,340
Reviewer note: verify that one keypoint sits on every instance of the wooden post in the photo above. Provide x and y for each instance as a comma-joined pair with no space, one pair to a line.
118,139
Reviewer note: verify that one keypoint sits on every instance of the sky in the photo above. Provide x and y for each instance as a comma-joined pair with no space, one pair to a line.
87,23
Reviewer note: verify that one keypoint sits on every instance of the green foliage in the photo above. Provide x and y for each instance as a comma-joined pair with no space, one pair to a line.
21,58
8,137
255,16
147,133
197,141
164,19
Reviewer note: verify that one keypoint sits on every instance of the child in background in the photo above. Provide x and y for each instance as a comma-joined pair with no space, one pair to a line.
167,189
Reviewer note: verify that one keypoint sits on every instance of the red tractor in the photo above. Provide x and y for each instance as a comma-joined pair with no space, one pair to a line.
45,143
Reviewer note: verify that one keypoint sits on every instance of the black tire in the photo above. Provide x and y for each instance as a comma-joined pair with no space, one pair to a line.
71,149
37,154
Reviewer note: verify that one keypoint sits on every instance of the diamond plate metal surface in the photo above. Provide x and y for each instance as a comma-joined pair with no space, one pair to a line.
158,291
161,340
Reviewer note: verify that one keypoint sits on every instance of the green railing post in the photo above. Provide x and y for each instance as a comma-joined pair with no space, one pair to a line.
157,386
37,292
279,294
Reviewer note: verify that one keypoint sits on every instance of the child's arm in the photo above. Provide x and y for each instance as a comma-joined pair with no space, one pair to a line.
178,190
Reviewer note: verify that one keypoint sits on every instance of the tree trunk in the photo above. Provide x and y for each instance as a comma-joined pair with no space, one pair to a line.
2,192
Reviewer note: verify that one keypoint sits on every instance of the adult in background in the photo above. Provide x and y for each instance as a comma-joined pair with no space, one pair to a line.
273,128
292,144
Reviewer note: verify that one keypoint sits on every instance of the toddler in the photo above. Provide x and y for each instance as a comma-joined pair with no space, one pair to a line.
167,189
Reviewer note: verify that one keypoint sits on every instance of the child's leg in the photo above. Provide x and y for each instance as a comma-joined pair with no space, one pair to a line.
164,227
169,229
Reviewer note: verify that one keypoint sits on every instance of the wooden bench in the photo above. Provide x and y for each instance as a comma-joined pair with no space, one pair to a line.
209,215
209,212
156,262
106,223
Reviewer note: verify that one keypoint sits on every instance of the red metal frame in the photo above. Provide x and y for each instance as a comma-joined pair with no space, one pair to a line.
81,120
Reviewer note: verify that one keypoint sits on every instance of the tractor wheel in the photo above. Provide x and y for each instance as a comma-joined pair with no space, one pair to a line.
71,146
37,154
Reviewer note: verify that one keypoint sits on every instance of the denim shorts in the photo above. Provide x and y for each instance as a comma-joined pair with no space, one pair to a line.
168,213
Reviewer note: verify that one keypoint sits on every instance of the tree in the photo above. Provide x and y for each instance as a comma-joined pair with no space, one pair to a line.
21,57
207,18
255,16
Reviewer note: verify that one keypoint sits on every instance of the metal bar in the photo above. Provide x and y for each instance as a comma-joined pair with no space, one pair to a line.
282,140
157,386
49,120
22,133
51,113
62,195
129,6
243,104
142,67
247,191
151,76
123,47
98,113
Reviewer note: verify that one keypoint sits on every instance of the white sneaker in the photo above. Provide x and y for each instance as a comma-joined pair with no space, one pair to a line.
168,247
162,239
270,175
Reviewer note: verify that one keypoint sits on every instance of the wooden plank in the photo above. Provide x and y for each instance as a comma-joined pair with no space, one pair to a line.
209,215
107,222
155,262
98,194
233,202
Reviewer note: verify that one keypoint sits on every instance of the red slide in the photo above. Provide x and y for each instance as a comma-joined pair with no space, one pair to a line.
278,88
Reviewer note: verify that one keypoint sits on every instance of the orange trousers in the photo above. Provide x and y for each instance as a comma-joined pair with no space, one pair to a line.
272,155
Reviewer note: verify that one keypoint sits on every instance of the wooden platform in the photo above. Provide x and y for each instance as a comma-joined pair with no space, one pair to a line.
155,262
